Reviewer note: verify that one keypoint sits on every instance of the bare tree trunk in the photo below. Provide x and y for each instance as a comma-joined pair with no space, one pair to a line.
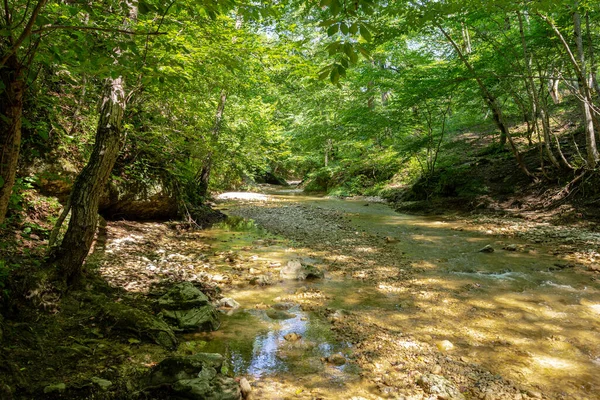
90,183
553,90
592,152
11,111
538,110
492,103
593,65
203,178
584,94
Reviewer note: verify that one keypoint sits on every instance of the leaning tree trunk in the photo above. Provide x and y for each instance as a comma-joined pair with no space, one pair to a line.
11,111
492,103
90,183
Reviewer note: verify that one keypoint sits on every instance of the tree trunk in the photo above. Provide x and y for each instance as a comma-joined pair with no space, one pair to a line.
203,177
492,103
11,111
537,109
592,151
90,183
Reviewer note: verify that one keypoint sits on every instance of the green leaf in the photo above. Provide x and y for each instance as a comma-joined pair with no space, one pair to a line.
344,28
353,28
333,29
334,76
364,32
364,52
323,75
1,182
325,3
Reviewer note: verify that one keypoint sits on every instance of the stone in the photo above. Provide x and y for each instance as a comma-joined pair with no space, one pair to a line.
183,296
103,384
228,302
245,388
280,314
511,247
533,394
292,337
56,388
389,239
487,249
261,280
295,270
282,306
194,377
444,345
439,386
336,359
141,323
204,319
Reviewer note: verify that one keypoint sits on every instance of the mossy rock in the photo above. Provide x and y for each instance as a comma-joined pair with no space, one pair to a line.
141,323
183,296
205,318
192,377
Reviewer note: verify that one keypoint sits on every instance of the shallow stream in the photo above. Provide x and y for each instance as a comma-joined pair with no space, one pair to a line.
524,314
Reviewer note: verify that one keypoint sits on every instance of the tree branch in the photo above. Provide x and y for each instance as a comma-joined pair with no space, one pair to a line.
93,28
26,32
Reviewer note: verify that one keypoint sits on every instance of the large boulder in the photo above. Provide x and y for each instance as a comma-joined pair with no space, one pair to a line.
188,309
124,318
296,270
183,296
192,377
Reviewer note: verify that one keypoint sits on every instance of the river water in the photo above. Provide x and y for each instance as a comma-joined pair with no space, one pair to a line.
525,314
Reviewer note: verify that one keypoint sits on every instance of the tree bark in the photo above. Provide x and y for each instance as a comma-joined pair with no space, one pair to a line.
11,112
584,94
203,177
537,109
592,151
90,183
492,103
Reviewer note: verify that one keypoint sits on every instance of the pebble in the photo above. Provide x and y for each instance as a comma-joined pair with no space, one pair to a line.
487,249
292,337
336,359
534,394
444,345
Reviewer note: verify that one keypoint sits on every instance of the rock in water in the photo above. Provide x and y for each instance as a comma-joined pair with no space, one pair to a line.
292,337
511,247
279,314
195,377
227,302
188,309
295,270
487,249
439,386
245,388
336,359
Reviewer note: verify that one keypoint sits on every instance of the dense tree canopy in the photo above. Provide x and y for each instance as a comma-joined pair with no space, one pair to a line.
186,98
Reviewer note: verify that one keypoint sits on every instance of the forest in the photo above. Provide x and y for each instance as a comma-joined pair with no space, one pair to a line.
323,199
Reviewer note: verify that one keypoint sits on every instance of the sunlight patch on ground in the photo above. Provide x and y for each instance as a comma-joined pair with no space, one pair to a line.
243,196
553,362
